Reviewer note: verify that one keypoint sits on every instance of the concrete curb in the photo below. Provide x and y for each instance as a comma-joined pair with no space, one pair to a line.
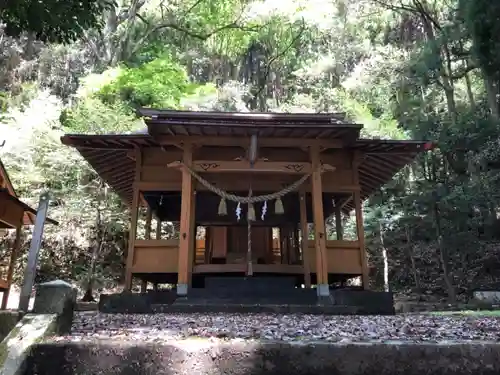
8,320
200,356
14,349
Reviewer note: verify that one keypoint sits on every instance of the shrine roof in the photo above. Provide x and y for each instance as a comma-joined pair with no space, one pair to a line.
237,124
7,192
381,158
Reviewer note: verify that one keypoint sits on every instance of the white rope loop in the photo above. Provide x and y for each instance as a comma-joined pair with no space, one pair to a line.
248,199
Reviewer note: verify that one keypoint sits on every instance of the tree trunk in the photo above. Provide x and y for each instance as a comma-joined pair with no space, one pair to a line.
384,257
443,251
470,94
89,291
411,255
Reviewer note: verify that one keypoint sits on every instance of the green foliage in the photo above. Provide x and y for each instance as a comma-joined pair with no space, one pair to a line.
404,71
160,83
481,18
93,116
52,20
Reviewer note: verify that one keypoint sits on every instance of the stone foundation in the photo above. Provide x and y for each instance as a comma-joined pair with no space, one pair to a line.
256,294
199,356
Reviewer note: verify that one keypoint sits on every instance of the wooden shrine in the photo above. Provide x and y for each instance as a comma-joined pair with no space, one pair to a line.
243,177
14,214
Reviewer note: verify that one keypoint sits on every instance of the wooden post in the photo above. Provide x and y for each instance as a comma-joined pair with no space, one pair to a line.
149,217
185,224
319,226
208,245
12,264
134,211
359,222
304,231
338,222
36,243
158,228
192,237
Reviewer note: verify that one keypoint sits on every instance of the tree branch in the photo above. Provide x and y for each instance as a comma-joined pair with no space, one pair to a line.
202,37
281,54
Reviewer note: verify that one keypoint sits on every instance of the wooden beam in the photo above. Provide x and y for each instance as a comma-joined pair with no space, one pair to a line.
319,226
12,263
185,224
258,185
221,166
243,141
36,244
359,222
133,219
304,231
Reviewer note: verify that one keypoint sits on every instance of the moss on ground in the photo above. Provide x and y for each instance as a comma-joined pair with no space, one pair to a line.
486,313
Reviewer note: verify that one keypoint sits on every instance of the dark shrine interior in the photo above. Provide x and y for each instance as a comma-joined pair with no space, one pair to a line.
167,206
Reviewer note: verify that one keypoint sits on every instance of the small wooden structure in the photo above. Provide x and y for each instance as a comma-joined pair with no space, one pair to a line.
298,168
14,214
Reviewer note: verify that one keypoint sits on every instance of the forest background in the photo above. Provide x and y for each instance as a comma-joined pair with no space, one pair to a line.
406,69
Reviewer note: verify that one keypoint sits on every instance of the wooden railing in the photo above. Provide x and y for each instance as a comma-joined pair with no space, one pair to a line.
343,257
152,256
162,256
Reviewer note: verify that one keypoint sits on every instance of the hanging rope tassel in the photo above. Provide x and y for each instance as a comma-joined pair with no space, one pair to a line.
251,212
278,207
222,207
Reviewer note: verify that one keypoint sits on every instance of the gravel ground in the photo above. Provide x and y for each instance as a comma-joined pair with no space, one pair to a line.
163,327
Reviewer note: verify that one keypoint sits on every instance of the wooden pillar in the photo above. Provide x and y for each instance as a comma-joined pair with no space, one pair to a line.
186,223
304,232
10,272
208,245
359,222
319,226
338,222
149,217
147,236
158,228
192,237
134,211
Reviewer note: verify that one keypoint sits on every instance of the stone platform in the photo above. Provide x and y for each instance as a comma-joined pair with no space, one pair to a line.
198,356
256,294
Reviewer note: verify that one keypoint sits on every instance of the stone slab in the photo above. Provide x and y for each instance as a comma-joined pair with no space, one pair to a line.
16,346
8,320
200,356
184,306
292,301
383,302
56,297
491,297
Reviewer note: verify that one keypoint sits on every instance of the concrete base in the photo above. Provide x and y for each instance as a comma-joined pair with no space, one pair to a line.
323,290
243,300
182,290
199,356
15,347
8,320
56,297
491,297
